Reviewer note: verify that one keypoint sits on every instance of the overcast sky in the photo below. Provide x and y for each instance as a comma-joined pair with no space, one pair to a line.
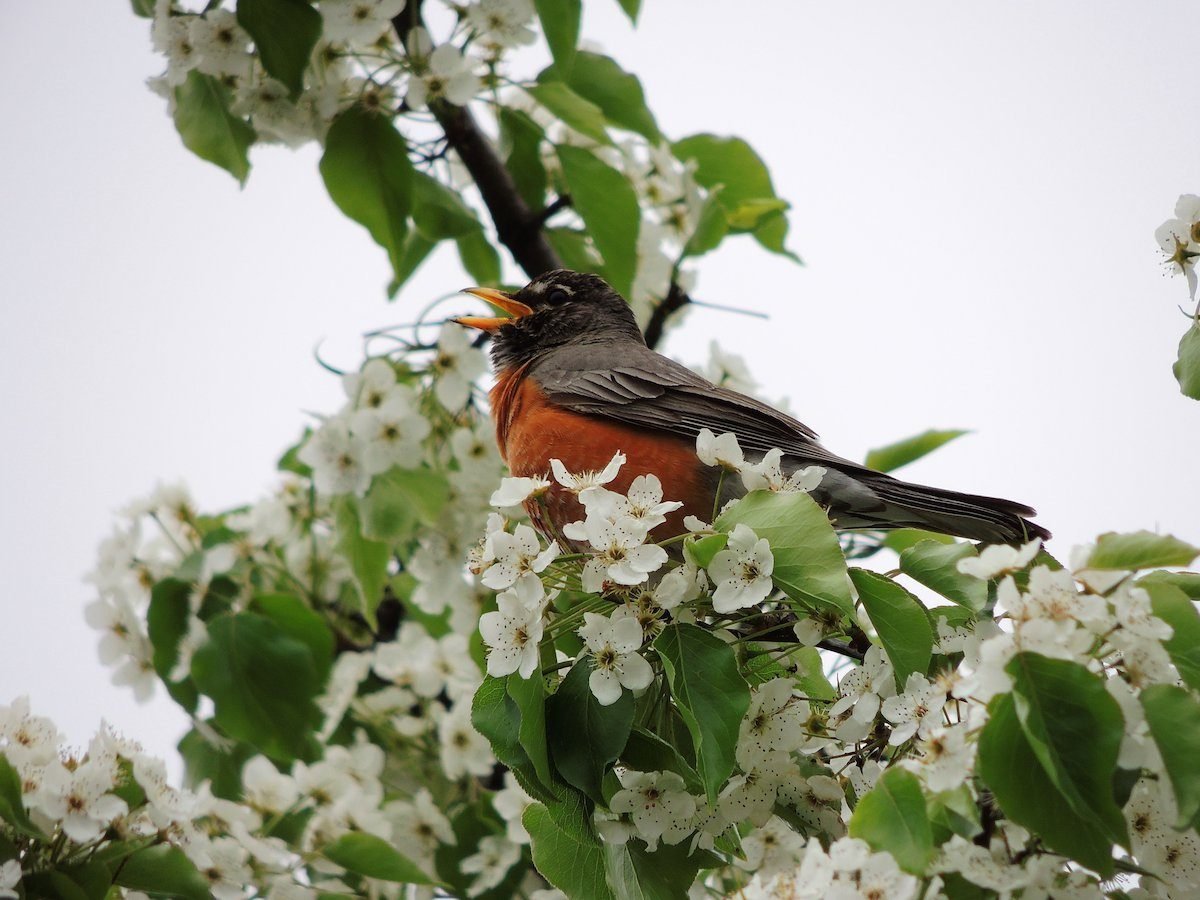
974,191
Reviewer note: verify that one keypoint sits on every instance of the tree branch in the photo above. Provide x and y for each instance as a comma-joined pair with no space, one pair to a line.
518,226
676,299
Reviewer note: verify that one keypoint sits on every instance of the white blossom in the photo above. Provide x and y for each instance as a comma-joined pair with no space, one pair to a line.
457,362
337,458
502,23
464,751
742,571
613,644
767,475
358,23
490,863
579,482
657,802
512,634
445,73
511,802
622,558
515,491
997,559
516,561
916,711
722,450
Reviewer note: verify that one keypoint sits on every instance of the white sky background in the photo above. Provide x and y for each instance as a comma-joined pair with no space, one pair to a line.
975,189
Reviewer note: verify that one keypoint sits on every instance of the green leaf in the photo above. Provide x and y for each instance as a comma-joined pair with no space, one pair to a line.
560,23
573,247
399,501
1140,550
1174,719
632,8
520,141
413,252
608,206
143,8
221,767
1187,366
809,566
167,622
366,854
12,806
263,683
600,80
1023,790
892,818
1171,605
954,812
369,176
901,453
585,737
1074,727
666,873
566,849
711,228
439,212
368,559
209,129
900,620
900,539
1188,582
479,257
496,716
771,233
746,194
582,115
298,620
711,696
162,870
285,33
701,550
530,696
647,752
935,565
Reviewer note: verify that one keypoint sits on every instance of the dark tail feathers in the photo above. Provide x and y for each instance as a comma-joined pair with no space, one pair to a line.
987,519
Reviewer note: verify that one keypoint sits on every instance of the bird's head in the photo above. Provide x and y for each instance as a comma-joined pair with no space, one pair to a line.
556,308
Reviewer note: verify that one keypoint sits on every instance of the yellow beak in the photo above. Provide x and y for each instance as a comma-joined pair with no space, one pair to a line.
498,299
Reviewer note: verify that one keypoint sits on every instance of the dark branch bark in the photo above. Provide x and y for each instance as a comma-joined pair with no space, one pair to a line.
518,226
676,299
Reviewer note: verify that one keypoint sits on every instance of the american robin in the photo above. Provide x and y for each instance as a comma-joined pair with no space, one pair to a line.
575,381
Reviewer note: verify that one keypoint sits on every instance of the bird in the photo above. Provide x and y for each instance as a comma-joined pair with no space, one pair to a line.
575,381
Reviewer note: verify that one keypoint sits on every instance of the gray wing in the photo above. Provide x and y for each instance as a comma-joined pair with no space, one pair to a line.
645,388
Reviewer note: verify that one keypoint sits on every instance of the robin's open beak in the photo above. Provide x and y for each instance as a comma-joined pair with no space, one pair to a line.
498,299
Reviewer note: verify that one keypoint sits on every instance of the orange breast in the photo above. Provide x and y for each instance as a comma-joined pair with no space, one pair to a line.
530,431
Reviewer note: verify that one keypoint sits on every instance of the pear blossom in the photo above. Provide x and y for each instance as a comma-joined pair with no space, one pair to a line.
457,363
516,561
773,723
444,73
613,645
622,557
767,475
373,385
657,802
337,458
997,559
722,450
742,571
579,482
358,23
645,505
221,45
946,758
82,799
1179,239
511,802
490,863
512,634
681,584
772,849
27,740
464,751
515,491
392,433
10,877
916,711
266,788
1135,615
502,23
418,825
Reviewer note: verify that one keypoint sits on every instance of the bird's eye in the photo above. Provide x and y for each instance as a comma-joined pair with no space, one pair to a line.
557,296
